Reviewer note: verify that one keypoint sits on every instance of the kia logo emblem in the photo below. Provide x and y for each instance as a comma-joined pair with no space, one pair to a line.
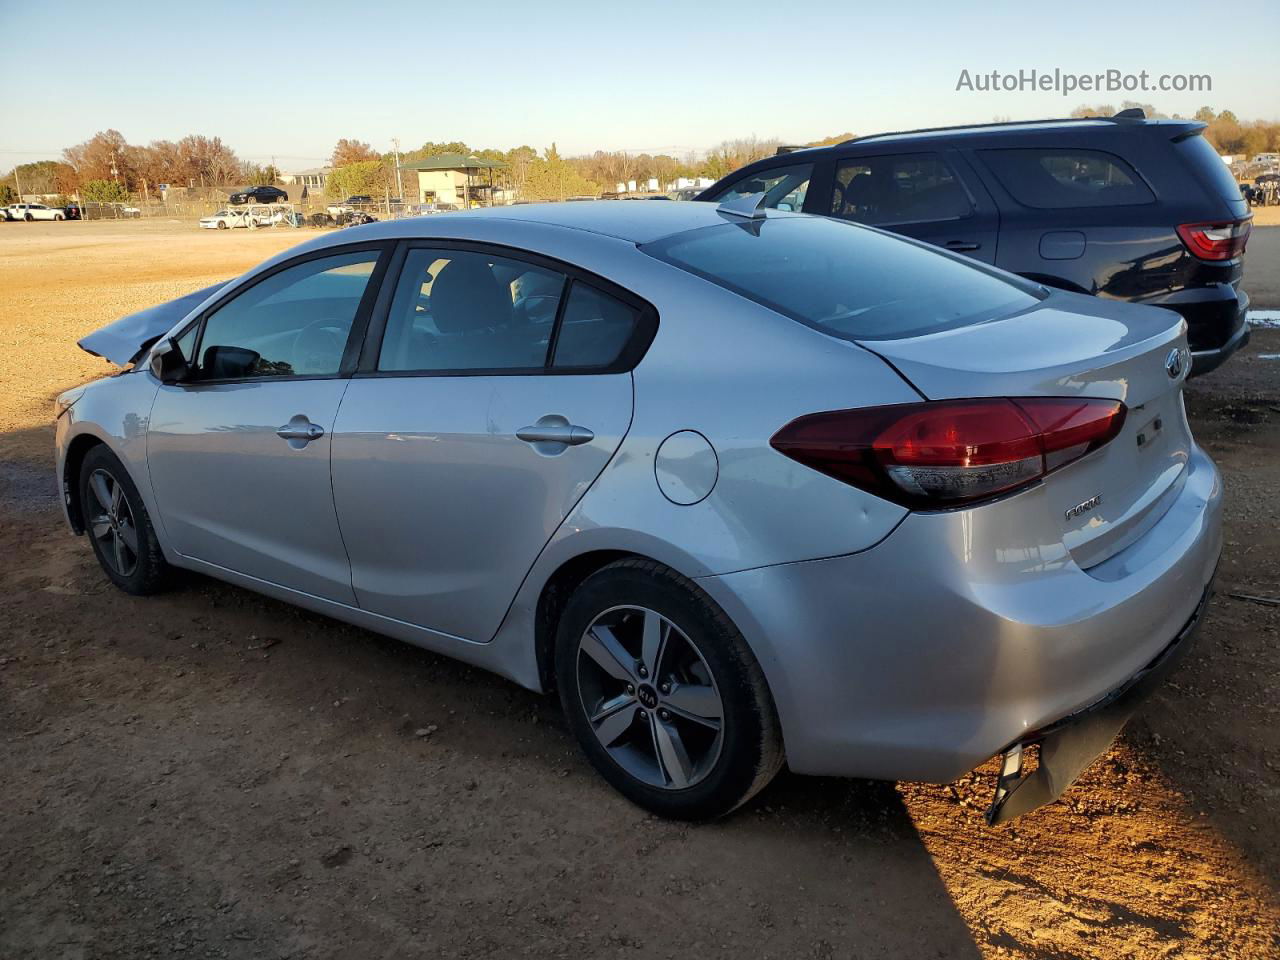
1175,363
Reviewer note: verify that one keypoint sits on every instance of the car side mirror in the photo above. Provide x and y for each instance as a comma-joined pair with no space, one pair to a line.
168,364
230,363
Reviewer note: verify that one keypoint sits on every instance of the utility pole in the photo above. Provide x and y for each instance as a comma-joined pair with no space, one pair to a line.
399,185
16,182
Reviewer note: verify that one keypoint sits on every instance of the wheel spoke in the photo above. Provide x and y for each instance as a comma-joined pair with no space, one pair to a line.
130,536
615,724
98,484
117,494
603,647
663,732
117,546
671,752
101,526
653,640
696,700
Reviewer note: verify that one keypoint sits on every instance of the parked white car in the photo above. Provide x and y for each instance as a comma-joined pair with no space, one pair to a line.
254,216
35,211
225,219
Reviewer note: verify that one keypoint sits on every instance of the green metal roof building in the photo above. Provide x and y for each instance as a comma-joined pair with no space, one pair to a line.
452,178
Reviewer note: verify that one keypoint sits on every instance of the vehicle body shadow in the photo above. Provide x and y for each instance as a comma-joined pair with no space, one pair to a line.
280,781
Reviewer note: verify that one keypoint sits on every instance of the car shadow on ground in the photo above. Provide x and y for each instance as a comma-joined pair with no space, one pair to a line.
279,779
217,746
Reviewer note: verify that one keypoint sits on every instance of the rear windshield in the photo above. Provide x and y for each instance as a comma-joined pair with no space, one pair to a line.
842,278
1204,159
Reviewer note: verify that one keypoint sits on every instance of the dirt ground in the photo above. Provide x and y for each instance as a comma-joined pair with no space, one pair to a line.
212,774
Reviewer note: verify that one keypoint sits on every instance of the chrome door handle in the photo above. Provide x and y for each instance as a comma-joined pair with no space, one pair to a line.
553,434
300,431
569,435
961,246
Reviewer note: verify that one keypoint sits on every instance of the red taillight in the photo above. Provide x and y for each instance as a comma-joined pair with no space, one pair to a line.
1216,240
949,452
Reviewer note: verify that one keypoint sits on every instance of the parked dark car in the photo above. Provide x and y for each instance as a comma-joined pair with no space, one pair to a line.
356,199
259,195
73,211
1122,207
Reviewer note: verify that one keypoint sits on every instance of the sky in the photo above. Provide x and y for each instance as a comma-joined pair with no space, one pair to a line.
286,80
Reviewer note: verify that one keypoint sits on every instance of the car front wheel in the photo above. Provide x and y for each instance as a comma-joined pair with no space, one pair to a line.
663,694
119,526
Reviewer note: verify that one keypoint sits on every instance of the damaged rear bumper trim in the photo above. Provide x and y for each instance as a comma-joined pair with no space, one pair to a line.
1070,745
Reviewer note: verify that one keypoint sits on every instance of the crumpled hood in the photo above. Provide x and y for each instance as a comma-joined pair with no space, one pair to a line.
124,341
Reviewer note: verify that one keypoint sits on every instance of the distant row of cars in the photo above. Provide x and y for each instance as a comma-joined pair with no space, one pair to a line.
39,211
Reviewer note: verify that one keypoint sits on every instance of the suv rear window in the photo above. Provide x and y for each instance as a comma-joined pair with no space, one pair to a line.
1062,178
1204,159
843,279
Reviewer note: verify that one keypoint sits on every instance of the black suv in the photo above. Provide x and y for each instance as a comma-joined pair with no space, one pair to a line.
259,195
1120,207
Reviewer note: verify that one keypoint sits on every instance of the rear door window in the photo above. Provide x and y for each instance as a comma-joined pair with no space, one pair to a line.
908,188
1066,178
784,187
459,310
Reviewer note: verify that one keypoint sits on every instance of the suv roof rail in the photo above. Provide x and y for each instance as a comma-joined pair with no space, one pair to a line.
1133,113
788,148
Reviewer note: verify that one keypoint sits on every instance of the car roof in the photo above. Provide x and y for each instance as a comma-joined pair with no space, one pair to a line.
635,221
1012,133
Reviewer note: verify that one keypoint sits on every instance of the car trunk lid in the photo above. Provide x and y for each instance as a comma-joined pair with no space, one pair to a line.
1076,346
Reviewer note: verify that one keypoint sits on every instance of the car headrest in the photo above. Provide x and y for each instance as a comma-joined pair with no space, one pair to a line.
466,296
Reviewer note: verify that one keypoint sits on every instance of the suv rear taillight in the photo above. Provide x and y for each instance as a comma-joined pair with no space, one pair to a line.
950,452
1218,239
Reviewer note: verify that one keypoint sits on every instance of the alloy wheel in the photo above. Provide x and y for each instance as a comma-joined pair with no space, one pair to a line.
650,697
112,523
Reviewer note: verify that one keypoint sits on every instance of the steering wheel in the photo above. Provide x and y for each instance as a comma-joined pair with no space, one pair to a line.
318,347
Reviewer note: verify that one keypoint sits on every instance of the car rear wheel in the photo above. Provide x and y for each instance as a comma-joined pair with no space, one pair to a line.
663,694
58,216
28,218
222,224
119,527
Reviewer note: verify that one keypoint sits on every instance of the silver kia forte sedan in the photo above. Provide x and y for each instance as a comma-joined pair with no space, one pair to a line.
743,487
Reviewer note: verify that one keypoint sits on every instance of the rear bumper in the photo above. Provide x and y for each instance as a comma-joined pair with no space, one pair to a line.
964,632
1202,361
1073,743
1216,318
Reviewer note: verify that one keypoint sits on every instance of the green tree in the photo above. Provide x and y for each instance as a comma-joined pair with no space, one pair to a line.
367,176
553,178
103,191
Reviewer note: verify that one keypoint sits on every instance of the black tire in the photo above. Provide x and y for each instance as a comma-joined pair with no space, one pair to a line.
150,572
58,216
28,217
750,751
222,224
